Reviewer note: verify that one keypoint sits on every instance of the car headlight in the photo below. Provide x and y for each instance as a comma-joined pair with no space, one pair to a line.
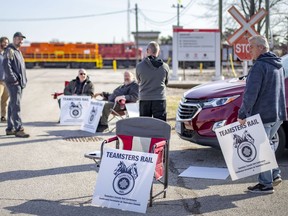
215,102
183,99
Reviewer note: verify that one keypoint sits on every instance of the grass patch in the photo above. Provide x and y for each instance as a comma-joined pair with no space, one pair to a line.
172,106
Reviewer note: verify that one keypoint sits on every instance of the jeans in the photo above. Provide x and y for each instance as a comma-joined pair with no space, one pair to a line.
14,120
266,178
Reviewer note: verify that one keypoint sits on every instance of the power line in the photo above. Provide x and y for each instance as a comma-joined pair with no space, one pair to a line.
157,22
170,20
158,11
187,7
61,18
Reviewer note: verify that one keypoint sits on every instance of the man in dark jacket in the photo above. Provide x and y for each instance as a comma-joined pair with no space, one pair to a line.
15,79
80,86
265,95
127,92
152,75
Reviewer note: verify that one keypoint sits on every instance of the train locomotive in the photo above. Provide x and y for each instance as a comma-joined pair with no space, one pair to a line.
80,55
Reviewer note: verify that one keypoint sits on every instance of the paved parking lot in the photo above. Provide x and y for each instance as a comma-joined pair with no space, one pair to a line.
47,174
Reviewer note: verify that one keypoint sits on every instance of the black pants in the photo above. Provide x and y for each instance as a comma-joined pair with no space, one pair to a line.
153,108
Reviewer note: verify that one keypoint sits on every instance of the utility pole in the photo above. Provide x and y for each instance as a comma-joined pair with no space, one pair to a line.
128,22
220,29
136,35
287,35
178,14
178,6
267,26
220,17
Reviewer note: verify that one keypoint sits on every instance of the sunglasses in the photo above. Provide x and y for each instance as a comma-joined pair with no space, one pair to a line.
82,73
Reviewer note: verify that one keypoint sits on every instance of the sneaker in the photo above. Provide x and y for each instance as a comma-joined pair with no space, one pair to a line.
3,119
10,132
22,134
101,128
277,181
259,188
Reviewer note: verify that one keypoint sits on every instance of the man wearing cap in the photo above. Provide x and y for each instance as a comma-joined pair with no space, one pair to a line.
15,79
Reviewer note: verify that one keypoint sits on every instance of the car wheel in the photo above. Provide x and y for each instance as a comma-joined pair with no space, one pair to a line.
279,140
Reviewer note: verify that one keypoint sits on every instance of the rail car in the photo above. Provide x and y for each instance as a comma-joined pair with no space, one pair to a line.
125,54
67,55
80,55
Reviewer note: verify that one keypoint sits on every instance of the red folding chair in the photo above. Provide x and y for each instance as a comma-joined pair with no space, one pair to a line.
143,134
57,94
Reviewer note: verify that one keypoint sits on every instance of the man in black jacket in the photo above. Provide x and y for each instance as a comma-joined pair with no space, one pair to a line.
264,94
15,79
127,92
80,86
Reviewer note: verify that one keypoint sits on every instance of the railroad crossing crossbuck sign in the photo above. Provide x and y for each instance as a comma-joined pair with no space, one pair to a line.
240,38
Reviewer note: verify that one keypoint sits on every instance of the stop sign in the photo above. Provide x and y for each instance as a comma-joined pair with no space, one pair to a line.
241,48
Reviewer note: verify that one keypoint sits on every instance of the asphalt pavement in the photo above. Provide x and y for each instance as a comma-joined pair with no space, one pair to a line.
47,174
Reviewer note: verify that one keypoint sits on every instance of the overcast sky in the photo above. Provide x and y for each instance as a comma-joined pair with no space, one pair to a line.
95,20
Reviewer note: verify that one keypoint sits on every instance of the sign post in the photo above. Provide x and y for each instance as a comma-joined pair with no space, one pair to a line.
199,45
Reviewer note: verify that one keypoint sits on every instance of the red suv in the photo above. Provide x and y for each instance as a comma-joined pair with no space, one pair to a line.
207,107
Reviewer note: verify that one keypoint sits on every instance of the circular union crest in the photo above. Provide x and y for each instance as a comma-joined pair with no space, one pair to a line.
123,183
75,112
246,151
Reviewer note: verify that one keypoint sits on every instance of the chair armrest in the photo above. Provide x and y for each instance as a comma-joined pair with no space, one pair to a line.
111,139
93,155
158,146
122,103
115,138
56,94
159,149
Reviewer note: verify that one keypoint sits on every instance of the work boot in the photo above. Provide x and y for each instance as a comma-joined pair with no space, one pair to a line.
22,134
10,132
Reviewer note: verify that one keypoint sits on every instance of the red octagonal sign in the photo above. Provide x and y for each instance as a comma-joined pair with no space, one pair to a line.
241,48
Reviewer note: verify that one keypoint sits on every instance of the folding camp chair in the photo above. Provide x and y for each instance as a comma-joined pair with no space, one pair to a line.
143,134
57,94
118,114
123,112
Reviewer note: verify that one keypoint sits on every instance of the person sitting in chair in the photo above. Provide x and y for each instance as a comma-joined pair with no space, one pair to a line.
80,86
127,92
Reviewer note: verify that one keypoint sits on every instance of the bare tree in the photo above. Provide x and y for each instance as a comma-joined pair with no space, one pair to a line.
278,10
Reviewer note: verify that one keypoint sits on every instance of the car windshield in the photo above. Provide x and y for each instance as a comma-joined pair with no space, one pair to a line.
284,60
